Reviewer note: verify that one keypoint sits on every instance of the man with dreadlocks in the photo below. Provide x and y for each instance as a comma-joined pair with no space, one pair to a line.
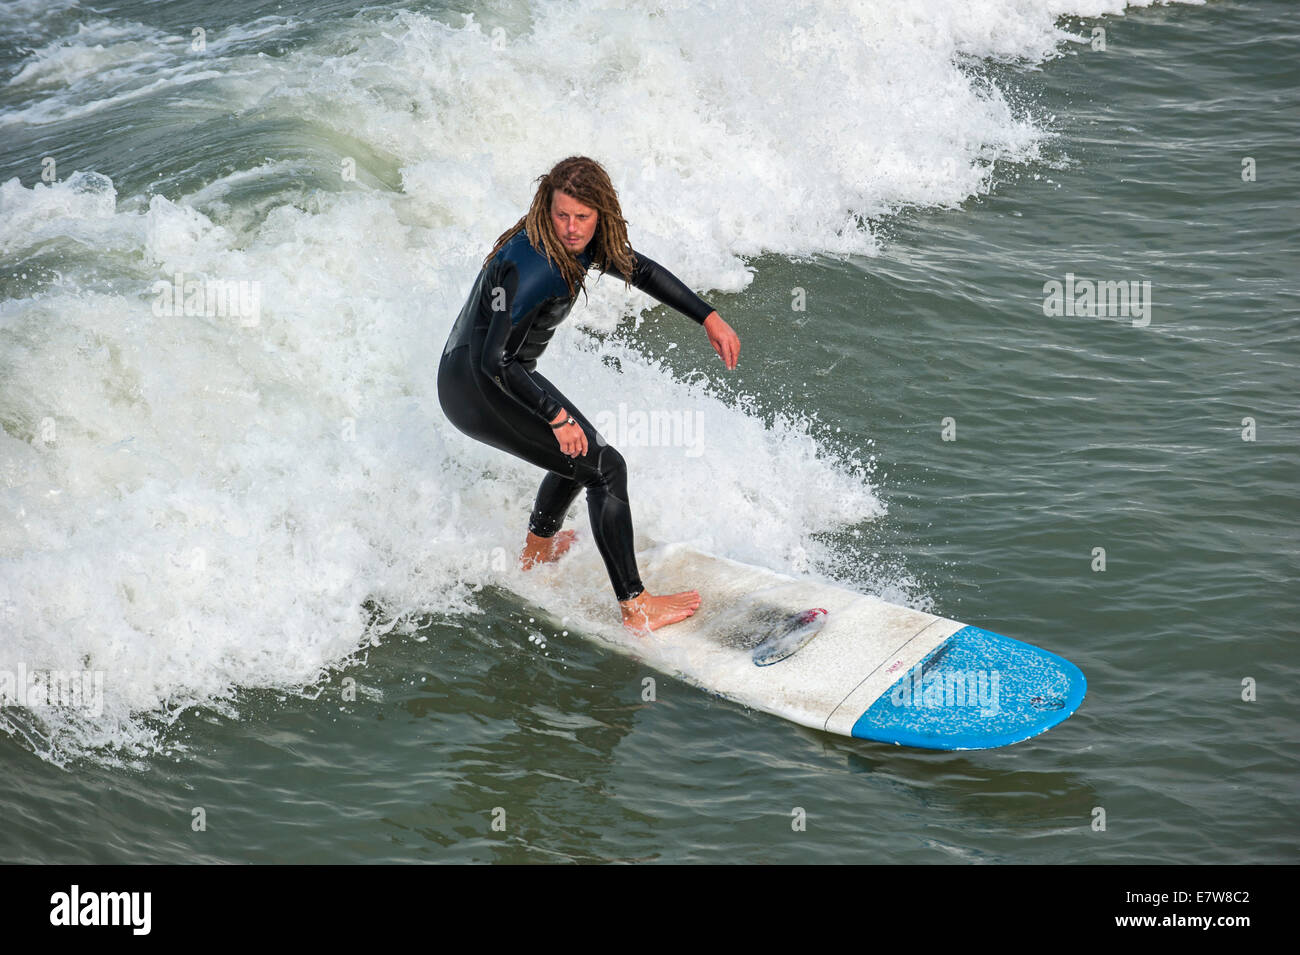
489,388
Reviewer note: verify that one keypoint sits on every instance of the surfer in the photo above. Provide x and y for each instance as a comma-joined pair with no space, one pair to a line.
489,387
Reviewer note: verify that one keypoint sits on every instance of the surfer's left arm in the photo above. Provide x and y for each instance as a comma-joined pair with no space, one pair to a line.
660,284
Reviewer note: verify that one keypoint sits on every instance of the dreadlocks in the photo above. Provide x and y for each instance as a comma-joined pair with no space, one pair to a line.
586,181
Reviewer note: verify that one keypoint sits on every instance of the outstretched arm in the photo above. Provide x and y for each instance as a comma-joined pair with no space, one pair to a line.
656,281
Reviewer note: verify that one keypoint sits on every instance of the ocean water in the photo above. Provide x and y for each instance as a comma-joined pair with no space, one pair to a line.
287,580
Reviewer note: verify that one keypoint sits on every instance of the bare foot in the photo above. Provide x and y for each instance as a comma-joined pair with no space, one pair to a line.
646,612
543,550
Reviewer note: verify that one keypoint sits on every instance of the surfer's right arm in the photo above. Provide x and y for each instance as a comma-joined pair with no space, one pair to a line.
508,375
511,377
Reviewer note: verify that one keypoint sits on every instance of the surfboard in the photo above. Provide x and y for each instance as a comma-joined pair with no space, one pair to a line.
821,655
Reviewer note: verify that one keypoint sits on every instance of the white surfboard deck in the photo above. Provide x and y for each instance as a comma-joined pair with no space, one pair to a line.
867,653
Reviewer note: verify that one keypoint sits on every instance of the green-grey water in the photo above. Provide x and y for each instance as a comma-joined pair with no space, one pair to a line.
1010,450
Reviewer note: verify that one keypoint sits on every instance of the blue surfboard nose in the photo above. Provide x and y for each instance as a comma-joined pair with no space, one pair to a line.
977,690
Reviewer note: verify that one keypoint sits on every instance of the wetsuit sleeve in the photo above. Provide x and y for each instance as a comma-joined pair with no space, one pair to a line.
657,282
506,373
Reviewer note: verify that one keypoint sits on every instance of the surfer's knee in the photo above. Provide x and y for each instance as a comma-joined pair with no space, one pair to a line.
611,469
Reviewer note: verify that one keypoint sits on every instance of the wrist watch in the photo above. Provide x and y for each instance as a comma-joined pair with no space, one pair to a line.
566,421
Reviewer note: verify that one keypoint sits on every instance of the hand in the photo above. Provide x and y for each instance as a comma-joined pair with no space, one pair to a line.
573,440
724,341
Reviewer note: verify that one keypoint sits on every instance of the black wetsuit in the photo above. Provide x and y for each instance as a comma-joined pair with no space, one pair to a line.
488,388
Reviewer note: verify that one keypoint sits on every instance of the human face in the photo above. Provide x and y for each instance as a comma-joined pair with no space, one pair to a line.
574,223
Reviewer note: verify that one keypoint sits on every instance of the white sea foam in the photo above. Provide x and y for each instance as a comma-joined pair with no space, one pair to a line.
192,505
